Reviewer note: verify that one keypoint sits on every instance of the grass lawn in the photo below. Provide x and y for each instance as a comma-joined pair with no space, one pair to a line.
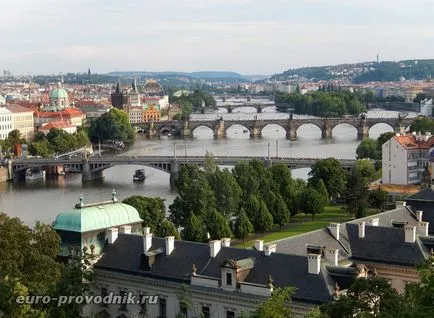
302,223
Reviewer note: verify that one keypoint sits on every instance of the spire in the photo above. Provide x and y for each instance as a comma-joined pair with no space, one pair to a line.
114,199
134,85
118,89
81,204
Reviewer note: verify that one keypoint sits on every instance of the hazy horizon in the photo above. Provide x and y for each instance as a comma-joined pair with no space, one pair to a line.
244,36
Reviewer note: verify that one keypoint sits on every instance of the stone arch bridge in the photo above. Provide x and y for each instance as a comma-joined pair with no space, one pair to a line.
290,125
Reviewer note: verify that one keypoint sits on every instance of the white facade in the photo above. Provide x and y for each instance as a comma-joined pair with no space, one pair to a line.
426,107
2,100
5,122
404,158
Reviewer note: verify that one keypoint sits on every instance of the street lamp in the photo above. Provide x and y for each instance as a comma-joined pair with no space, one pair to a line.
174,149
268,151
185,148
277,148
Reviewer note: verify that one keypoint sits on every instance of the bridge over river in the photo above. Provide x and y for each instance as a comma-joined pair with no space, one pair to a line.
290,125
93,167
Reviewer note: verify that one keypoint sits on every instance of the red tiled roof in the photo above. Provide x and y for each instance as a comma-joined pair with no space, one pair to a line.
56,124
14,108
410,142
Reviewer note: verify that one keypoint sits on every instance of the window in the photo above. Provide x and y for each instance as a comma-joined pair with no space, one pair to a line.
230,314
162,303
123,305
229,279
206,312
104,293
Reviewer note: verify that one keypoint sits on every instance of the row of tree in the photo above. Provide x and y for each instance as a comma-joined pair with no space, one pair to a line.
192,102
112,126
324,104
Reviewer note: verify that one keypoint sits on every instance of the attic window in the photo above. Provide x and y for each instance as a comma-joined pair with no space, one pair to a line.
398,224
314,249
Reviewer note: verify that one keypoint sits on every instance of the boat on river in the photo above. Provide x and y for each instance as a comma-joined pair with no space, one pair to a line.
35,175
139,175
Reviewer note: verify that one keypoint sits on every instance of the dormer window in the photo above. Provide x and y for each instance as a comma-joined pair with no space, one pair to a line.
229,279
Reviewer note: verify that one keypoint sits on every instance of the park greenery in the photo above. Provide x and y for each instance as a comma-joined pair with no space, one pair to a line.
423,125
192,102
112,126
370,148
213,203
29,266
323,103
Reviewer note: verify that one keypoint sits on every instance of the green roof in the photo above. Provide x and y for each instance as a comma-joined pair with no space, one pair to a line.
58,93
97,216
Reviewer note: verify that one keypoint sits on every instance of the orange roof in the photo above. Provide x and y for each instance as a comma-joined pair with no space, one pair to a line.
410,142
14,108
56,124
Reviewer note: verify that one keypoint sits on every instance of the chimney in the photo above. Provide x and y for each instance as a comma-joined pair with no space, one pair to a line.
226,242
419,214
270,249
410,233
259,245
313,263
125,229
215,247
112,235
331,256
147,230
170,244
147,240
422,228
362,229
334,229
374,222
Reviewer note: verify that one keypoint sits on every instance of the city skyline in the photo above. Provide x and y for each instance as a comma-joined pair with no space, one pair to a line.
246,36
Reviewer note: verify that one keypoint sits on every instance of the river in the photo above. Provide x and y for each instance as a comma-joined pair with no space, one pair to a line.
44,200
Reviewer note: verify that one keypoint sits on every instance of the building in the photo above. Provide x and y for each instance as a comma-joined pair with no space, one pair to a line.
426,107
5,122
23,120
62,125
117,98
135,114
405,158
93,109
59,98
88,228
151,113
173,110
152,88
72,115
2,100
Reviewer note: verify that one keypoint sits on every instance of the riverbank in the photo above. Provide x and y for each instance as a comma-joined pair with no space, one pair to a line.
4,175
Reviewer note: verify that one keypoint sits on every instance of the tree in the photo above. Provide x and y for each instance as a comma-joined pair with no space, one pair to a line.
277,306
151,210
279,210
167,228
194,229
259,215
356,194
209,163
243,226
383,138
244,173
227,192
365,169
332,174
297,188
368,148
113,125
41,148
423,125
216,225
14,138
312,202
420,97
377,198
367,297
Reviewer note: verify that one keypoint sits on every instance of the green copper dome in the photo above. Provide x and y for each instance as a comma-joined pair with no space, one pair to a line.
58,93
97,216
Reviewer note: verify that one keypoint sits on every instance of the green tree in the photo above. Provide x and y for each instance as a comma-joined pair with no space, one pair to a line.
209,163
312,202
356,194
332,174
40,148
14,138
297,188
423,125
243,226
194,229
377,198
113,125
151,210
227,192
167,228
420,97
259,215
245,175
383,138
216,225
277,306
365,169
368,149
367,297
279,210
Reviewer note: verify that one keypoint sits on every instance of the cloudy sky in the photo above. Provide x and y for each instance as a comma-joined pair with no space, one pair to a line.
246,36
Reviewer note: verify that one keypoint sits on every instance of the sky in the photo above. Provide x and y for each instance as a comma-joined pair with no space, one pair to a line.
247,36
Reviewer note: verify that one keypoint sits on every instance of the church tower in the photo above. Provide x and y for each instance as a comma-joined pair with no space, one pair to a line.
117,97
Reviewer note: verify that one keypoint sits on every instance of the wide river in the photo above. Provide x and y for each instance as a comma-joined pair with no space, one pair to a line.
44,200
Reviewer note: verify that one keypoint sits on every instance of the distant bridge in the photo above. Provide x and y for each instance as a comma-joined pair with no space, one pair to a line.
259,106
92,168
290,125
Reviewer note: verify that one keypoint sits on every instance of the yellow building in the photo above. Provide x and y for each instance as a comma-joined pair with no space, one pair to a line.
23,120
151,113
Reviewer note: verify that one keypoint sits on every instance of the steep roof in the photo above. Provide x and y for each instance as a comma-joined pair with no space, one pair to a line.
411,142
126,255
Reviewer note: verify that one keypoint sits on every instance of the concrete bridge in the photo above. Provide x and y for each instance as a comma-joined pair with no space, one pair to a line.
290,125
92,168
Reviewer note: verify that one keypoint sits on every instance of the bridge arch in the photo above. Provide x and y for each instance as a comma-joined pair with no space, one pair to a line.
237,107
309,129
350,129
272,126
232,126
208,126
379,128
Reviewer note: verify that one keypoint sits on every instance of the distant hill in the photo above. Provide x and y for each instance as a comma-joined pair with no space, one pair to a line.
364,72
204,75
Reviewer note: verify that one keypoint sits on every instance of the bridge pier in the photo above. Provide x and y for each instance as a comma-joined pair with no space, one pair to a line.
326,132
363,132
255,131
152,131
291,133
258,109
185,130
88,175
229,110
174,173
219,129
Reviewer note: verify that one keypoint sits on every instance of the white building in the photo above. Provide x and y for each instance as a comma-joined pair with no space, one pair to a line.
2,100
405,158
426,107
5,122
